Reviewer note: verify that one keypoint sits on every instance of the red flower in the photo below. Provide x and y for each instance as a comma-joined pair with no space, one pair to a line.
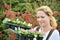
27,20
7,6
13,15
0,33
30,19
17,13
34,19
6,13
26,16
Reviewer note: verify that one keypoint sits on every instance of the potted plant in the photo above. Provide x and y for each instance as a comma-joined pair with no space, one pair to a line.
28,35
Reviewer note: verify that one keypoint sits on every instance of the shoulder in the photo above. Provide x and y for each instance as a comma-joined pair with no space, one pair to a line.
54,35
55,32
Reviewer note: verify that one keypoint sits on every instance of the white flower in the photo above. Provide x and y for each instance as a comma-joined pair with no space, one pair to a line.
6,20
35,28
29,24
17,19
24,22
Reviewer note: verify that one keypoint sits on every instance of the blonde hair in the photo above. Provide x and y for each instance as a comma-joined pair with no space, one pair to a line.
49,12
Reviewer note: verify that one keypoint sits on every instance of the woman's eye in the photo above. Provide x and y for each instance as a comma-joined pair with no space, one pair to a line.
42,17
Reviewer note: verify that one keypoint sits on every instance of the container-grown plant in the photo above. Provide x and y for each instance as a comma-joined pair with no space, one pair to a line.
28,35
14,23
3,32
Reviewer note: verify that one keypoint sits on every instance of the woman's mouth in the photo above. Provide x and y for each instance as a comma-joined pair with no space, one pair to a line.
42,24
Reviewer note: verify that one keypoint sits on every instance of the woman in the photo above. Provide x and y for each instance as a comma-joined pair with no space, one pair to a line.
47,22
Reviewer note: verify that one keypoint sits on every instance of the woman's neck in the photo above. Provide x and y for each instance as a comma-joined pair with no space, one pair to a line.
45,29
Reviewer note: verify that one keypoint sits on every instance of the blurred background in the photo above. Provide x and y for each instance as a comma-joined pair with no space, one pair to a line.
23,6
16,8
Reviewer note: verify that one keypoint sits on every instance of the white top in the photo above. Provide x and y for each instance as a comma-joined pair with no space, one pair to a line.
54,35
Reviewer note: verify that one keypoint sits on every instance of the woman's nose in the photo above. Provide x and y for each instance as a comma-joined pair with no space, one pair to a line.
39,19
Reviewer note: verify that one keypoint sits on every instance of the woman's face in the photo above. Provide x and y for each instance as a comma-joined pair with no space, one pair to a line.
43,19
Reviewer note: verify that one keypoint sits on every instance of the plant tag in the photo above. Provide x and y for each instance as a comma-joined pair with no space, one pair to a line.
19,28
15,29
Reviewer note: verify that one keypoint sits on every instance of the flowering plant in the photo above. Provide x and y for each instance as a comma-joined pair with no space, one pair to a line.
21,23
29,33
3,32
29,18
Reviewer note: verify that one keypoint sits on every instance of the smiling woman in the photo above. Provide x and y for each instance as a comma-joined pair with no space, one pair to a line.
47,23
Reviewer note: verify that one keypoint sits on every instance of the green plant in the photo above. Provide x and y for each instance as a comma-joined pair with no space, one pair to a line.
2,27
29,33
6,20
21,23
4,35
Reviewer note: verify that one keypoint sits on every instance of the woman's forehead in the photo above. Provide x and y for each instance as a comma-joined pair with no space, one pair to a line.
41,13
